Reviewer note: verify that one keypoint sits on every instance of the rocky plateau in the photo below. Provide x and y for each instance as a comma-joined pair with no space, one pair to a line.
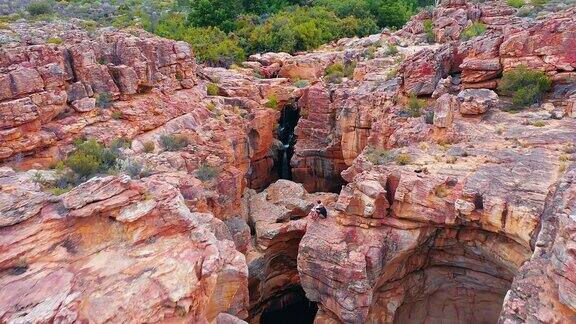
463,213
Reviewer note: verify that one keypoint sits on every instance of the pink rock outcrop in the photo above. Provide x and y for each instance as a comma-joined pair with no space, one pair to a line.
114,249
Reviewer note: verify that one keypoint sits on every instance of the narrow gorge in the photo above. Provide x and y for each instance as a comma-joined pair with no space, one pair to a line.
138,186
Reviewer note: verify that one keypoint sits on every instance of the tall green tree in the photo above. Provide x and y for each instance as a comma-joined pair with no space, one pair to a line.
218,13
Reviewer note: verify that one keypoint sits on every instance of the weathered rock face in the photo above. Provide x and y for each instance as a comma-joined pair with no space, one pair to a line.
278,216
41,83
444,237
114,249
454,211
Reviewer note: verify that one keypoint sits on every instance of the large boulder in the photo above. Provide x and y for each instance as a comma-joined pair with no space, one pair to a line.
476,101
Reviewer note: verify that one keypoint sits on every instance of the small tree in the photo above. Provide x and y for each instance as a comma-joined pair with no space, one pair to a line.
37,8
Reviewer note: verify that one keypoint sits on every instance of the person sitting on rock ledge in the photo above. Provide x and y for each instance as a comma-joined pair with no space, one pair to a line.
321,210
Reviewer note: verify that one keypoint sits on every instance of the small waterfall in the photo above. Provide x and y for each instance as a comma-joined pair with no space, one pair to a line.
285,133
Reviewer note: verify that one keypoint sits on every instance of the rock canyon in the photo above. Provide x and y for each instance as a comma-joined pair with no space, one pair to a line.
446,204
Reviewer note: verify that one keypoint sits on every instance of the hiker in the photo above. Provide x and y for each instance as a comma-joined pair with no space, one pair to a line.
320,210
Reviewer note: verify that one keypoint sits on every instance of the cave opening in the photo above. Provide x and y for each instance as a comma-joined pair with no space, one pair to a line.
291,307
461,276
285,134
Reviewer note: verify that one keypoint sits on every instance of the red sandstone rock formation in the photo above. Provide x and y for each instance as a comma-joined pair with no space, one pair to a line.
474,224
113,250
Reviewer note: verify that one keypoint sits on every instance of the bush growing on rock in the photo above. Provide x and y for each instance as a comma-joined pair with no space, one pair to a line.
301,83
212,89
402,158
335,72
377,156
272,102
515,3
414,106
134,169
429,30
476,29
526,86
91,158
149,147
173,143
391,49
206,172
103,100
54,40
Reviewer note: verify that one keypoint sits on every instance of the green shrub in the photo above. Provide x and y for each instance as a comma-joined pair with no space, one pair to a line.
515,3
121,142
103,100
391,49
526,86
211,106
402,159
212,89
429,30
336,71
392,73
301,83
173,143
56,191
54,40
40,7
272,102
206,172
539,3
415,105
91,158
476,29
117,115
149,147
377,156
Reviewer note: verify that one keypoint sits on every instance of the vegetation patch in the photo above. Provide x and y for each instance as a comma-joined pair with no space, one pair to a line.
54,40
476,29
526,86
212,89
402,159
103,100
39,7
149,147
391,49
173,142
206,172
429,31
414,106
117,115
515,3
301,84
336,71
377,156
272,102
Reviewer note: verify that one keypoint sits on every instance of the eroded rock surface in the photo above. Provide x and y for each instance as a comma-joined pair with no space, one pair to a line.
115,250
446,207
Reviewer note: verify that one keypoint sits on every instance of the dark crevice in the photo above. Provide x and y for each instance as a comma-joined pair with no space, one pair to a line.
285,133
291,307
